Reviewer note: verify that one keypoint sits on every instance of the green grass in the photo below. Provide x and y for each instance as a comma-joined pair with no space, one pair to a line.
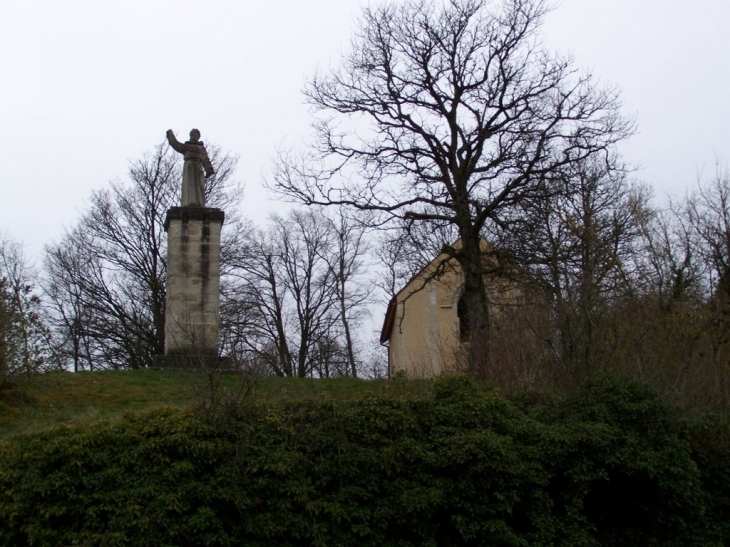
67,398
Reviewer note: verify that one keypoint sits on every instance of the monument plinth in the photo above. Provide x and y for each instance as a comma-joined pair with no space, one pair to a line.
193,263
193,281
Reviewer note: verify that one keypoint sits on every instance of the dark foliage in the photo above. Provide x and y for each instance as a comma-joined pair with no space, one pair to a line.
610,465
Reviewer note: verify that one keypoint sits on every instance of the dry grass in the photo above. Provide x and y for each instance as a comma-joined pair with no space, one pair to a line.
67,398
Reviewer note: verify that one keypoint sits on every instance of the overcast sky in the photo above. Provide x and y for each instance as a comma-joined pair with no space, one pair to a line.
89,85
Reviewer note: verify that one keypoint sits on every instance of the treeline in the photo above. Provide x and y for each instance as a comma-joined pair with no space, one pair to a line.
411,152
609,465
617,283
292,292
626,285
26,341
293,295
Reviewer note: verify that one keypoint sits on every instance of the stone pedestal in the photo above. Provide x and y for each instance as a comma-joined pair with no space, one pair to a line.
193,281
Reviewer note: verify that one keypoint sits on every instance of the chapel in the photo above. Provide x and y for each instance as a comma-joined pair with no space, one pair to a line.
424,326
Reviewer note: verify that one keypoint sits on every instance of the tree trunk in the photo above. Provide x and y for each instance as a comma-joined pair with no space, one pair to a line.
474,318
345,322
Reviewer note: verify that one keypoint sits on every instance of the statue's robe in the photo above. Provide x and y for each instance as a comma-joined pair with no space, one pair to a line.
196,166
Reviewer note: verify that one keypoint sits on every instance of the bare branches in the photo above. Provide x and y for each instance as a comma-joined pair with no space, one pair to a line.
106,278
298,295
448,113
25,345
707,212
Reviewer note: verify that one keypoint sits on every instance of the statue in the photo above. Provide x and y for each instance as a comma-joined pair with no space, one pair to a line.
196,168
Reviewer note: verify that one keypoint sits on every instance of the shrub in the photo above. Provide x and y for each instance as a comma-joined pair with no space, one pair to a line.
155,479
610,465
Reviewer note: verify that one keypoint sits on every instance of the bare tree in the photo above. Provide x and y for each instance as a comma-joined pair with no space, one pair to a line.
288,285
576,242
666,264
345,260
106,278
448,114
298,295
707,214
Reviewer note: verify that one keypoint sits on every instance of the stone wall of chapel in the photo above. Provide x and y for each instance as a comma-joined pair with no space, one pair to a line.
425,331
424,340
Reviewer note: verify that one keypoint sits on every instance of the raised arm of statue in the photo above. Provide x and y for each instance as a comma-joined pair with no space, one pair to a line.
174,143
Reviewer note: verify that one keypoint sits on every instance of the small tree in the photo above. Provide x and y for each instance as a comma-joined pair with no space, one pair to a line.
298,295
24,337
345,259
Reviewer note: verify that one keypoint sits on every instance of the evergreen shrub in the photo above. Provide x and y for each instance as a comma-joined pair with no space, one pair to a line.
609,465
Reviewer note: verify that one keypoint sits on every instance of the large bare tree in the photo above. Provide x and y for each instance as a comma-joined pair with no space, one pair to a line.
448,113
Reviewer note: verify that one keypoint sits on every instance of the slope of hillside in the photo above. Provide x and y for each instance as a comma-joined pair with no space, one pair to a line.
69,398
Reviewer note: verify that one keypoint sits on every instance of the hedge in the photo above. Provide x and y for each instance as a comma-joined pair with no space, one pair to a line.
610,465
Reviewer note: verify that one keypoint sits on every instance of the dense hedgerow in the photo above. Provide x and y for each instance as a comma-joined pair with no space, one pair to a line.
608,466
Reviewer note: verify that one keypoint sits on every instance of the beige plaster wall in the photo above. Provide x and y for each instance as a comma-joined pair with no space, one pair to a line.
424,340
425,333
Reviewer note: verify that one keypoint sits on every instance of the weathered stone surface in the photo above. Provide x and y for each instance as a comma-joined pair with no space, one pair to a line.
422,326
193,281
196,213
196,168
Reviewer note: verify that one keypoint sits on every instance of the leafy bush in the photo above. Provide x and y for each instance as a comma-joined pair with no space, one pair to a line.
147,480
608,466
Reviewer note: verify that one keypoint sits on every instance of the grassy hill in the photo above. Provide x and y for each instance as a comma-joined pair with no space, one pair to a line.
64,397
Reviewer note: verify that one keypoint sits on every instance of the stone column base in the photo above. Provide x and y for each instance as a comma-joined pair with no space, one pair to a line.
185,360
193,282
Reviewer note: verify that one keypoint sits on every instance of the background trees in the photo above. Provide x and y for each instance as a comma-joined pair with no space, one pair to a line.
444,121
352,290
298,295
706,213
106,276
449,114
678,317
292,292
575,241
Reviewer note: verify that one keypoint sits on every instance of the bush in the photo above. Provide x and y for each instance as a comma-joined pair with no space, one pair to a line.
154,479
610,465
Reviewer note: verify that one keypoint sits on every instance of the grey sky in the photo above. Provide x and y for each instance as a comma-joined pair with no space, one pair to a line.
89,85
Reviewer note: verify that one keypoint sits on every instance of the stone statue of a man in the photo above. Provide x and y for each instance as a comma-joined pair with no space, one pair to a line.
197,166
